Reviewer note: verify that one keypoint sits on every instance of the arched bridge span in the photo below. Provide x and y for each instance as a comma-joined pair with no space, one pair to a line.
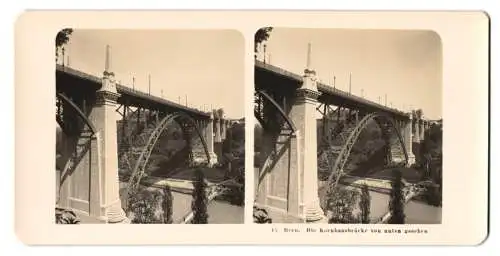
350,135
185,121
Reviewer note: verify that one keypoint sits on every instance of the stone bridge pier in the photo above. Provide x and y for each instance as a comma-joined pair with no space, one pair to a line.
288,178
91,187
219,126
408,138
209,135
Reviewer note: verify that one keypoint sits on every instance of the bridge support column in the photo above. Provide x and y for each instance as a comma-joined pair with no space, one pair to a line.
422,129
209,138
408,140
218,138
104,117
302,115
416,137
223,129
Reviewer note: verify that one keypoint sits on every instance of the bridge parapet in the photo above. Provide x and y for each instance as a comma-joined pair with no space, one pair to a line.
329,94
72,80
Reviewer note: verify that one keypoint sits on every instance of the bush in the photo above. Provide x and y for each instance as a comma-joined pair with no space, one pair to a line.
340,202
433,196
66,216
143,207
200,199
261,216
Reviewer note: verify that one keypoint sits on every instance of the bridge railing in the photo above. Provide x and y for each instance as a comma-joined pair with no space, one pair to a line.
322,87
125,89
329,89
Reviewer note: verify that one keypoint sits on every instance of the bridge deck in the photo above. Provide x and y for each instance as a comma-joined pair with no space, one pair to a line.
329,95
69,79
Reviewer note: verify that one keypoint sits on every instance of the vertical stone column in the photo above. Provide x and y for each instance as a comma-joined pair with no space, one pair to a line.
422,129
303,114
416,137
218,138
104,117
209,138
408,140
223,129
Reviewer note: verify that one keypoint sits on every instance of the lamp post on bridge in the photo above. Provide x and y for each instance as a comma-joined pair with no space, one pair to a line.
350,83
149,84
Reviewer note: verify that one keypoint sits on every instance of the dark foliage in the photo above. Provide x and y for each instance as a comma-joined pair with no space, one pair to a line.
200,199
62,36
167,205
262,35
364,205
431,164
396,204
238,132
141,206
227,144
236,192
261,216
235,141
66,216
340,201
434,193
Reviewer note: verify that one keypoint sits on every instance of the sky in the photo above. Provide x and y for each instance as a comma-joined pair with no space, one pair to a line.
402,64
206,66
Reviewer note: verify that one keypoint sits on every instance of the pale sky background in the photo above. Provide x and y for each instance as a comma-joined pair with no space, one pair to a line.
405,65
205,65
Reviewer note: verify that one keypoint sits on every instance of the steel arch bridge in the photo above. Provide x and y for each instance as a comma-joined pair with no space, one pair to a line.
141,148
134,146
340,144
337,146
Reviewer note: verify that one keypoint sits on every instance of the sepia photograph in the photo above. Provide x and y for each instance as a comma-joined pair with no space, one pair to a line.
150,126
325,126
348,126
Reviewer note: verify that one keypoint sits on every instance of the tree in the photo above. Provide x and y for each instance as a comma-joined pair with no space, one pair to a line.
200,199
62,38
364,205
167,205
262,35
396,204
